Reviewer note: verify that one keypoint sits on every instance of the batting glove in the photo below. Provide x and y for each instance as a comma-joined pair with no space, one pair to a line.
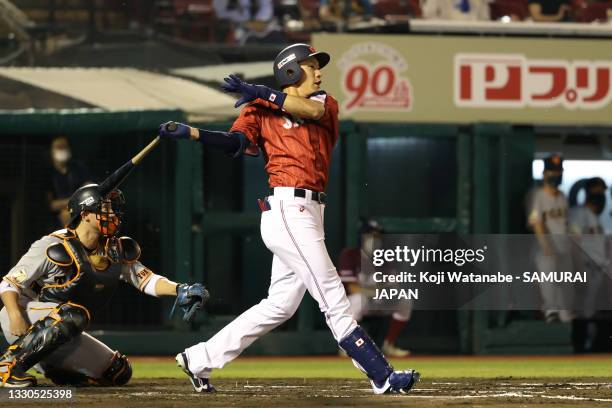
249,92
174,130
190,298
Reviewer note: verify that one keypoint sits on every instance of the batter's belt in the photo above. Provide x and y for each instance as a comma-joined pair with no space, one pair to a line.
319,197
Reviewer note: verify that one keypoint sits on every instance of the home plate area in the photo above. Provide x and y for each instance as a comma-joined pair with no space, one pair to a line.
266,393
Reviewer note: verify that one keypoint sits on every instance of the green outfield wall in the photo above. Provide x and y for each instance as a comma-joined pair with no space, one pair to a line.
195,214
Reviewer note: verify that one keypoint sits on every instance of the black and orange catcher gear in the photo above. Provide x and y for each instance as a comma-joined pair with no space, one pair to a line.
44,336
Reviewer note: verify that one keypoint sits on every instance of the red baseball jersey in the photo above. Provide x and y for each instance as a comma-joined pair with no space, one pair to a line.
297,152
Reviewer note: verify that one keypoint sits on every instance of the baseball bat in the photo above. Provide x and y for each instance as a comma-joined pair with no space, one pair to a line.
116,178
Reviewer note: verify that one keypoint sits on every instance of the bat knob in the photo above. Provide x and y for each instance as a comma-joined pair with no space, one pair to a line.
171,126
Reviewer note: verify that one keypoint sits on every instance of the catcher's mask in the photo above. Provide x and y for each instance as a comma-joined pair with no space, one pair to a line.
104,199
111,212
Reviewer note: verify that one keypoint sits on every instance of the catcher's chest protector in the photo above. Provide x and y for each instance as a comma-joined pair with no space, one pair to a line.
83,284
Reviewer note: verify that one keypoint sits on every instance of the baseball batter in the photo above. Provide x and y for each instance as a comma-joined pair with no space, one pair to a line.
53,292
296,130
548,216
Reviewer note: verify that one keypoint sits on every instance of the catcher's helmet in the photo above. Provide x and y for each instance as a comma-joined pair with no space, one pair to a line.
91,198
86,198
287,69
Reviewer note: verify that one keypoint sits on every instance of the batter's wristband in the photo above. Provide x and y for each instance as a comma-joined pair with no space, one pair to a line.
276,97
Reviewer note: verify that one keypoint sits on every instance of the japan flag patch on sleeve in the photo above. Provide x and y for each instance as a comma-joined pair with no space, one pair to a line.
272,98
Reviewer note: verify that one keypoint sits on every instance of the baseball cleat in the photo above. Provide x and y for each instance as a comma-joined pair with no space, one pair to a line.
15,378
398,382
391,350
199,384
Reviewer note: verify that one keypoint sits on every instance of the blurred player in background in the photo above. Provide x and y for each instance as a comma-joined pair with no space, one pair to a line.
66,277
585,227
296,129
67,174
548,217
357,286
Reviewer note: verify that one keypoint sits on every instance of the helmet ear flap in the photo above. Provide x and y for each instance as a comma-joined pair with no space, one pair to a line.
292,74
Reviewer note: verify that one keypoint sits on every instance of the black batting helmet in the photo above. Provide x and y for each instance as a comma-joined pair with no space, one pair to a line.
287,69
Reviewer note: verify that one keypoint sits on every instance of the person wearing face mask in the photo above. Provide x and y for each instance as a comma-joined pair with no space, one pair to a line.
586,229
67,175
548,218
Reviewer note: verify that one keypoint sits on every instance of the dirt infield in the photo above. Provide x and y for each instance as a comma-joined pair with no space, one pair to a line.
295,393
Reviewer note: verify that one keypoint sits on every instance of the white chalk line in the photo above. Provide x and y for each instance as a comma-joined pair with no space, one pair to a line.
277,386
500,395
575,398
512,395
573,384
479,395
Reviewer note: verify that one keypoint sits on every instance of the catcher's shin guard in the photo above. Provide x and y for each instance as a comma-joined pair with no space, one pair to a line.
43,337
118,372
60,376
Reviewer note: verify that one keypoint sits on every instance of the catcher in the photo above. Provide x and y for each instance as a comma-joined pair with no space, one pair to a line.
52,293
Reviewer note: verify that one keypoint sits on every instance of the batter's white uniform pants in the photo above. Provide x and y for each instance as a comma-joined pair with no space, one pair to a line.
293,230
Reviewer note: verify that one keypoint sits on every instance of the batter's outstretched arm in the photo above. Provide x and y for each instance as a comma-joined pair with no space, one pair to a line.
304,108
232,143
296,105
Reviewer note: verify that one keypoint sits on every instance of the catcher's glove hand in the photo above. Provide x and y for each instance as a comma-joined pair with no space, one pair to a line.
190,298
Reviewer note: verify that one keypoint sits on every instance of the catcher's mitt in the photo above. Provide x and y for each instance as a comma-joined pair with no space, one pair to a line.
190,298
